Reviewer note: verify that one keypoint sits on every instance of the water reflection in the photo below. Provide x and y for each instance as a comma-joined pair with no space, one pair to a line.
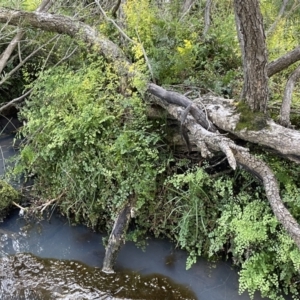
24,276
77,247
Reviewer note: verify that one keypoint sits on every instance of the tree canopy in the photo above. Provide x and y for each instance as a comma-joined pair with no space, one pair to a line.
174,118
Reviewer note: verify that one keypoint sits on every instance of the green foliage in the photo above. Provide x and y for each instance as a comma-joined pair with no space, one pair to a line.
30,5
7,195
91,147
174,46
88,142
268,258
229,216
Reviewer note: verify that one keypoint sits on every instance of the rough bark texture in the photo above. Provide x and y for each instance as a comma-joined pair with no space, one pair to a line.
250,26
73,28
283,62
287,98
261,170
178,99
116,238
214,142
207,17
222,112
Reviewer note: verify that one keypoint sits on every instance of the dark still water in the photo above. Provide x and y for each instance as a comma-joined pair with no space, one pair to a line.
53,260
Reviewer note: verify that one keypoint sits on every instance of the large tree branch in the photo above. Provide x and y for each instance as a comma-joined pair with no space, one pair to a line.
264,173
283,62
69,26
285,141
209,141
223,113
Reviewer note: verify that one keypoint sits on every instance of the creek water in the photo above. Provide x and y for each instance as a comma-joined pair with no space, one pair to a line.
54,260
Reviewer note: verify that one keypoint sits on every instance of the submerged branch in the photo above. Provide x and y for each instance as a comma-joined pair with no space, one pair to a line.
117,237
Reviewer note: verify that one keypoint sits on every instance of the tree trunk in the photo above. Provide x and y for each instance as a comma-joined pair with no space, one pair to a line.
287,98
252,39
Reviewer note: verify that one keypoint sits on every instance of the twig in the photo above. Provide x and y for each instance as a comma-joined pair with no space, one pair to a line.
146,57
45,205
207,17
3,107
19,206
280,14
24,61
3,158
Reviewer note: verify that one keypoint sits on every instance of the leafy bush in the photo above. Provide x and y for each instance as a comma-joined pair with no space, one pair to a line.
88,142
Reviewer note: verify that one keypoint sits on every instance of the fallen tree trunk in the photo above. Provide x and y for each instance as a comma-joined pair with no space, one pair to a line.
223,113
201,123
238,155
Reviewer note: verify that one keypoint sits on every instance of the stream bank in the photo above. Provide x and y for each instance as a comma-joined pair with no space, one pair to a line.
53,260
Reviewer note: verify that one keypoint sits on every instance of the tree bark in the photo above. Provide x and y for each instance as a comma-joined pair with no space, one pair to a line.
66,25
283,62
207,17
264,173
250,26
117,238
208,141
223,113
287,98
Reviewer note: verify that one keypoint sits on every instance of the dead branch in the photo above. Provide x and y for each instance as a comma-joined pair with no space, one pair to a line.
280,14
209,142
287,98
21,63
9,49
223,113
261,169
181,100
117,237
14,101
207,17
